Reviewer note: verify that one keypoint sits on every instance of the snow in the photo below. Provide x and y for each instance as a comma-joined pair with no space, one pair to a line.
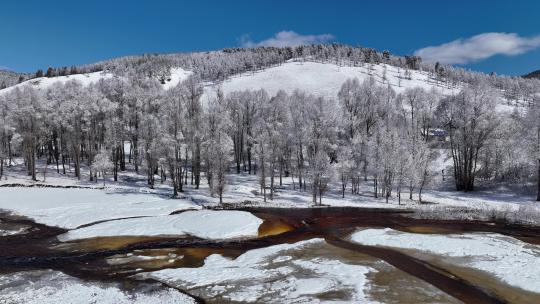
177,75
245,188
497,199
42,83
205,224
52,287
508,259
70,208
321,79
266,275
4,232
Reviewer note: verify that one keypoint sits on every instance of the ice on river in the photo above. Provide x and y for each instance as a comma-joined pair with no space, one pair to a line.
53,287
205,224
510,260
272,275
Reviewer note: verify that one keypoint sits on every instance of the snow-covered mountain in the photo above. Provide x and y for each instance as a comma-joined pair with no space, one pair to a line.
317,70
317,78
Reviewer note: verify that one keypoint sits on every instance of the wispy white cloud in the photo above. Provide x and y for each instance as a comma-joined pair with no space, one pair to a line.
287,38
479,47
2,67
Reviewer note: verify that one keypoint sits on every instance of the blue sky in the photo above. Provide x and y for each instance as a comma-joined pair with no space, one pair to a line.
36,34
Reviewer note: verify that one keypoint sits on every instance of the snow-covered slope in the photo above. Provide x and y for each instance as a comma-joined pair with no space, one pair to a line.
42,83
177,75
323,79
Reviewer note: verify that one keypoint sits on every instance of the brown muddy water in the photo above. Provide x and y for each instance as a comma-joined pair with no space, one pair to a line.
401,277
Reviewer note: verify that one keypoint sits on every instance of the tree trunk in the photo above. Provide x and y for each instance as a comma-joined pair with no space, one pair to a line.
186,165
33,164
122,157
249,158
136,154
375,187
281,171
115,169
9,153
538,194
314,190
424,178
197,162
272,184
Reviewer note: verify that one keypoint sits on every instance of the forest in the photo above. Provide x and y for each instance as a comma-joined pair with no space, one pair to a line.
368,133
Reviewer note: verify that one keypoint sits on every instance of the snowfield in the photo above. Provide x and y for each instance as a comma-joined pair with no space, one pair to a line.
322,79
268,275
53,287
203,224
70,208
510,260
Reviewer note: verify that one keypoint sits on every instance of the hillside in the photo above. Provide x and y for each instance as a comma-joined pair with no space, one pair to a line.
535,74
317,78
316,69
9,78
325,79
176,75
425,100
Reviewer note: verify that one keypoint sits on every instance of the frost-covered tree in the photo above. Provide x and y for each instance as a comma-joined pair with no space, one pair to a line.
102,163
27,118
320,146
470,120
191,95
217,145
532,135
270,128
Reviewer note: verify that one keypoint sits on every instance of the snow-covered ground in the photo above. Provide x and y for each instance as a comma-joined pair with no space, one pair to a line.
202,223
508,259
240,188
271,275
245,188
323,79
70,208
503,200
53,287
